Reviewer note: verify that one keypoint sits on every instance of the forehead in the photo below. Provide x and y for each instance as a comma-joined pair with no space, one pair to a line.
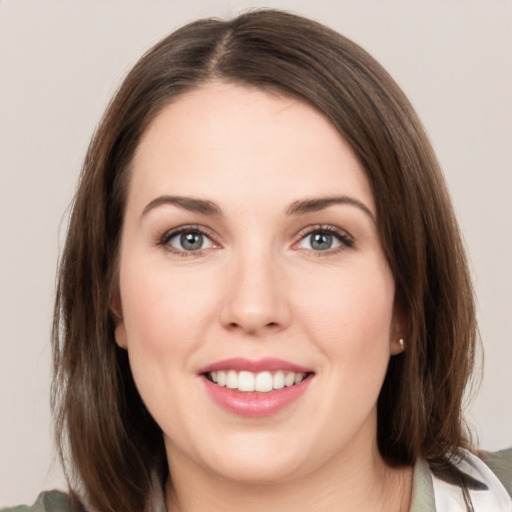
222,138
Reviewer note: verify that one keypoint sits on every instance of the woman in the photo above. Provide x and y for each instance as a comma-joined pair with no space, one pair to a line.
264,301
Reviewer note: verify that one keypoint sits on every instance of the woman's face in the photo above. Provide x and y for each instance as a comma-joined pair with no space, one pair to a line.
250,257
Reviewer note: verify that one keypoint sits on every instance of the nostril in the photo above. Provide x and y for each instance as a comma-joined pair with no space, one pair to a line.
251,328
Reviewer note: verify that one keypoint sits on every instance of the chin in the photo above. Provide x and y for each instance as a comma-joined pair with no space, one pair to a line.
256,472
258,461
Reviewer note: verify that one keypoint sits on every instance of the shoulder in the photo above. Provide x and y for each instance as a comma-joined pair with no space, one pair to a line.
500,463
50,501
483,480
486,480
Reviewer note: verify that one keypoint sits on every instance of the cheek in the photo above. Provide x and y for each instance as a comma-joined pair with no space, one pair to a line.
352,318
165,319
163,310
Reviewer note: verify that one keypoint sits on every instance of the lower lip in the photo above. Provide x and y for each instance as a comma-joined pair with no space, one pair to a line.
256,404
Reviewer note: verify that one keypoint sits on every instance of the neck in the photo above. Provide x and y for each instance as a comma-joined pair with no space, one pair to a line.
359,484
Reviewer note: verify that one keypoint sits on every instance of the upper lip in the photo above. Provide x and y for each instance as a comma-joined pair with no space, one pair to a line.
268,364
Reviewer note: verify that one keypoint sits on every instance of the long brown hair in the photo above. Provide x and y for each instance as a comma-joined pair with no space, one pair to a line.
110,444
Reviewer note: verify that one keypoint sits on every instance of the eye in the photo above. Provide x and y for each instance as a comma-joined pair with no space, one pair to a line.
187,239
325,239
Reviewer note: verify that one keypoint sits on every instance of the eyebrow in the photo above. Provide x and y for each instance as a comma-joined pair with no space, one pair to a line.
316,204
301,207
201,206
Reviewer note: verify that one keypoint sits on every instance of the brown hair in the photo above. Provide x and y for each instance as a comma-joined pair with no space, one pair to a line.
113,444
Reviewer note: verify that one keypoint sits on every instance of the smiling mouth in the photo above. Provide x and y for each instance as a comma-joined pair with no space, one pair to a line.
261,382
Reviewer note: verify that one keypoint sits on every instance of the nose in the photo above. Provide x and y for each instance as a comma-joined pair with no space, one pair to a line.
255,300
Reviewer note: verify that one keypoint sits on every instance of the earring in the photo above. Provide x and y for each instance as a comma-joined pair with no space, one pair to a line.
402,344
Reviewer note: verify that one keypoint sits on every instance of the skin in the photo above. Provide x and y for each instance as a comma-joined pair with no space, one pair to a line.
258,289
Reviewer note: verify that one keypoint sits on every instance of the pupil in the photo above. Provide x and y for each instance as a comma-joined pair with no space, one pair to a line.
321,241
191,241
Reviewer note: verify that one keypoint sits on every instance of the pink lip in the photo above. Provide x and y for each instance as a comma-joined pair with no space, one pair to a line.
255,366
254,404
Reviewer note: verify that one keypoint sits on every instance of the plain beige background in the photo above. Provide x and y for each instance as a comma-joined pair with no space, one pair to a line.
60,61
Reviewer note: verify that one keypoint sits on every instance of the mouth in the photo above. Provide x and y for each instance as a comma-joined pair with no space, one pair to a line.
261,382
256,388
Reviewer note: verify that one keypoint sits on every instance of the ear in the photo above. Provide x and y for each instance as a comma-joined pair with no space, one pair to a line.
116,309
398,332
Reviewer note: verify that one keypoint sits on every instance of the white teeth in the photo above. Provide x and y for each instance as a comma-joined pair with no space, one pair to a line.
289,380
262,382
246,381
278,380
232,379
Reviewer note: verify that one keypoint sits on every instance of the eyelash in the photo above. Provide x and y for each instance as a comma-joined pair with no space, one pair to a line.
164,239
346,241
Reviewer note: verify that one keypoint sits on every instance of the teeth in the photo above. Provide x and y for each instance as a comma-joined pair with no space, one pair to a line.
289,380
232,379
262,382
278,380
246,381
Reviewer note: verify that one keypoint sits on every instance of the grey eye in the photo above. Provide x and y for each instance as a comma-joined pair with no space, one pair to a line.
321,241
190,241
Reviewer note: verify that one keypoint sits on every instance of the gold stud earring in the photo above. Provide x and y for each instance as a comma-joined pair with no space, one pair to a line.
402,344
